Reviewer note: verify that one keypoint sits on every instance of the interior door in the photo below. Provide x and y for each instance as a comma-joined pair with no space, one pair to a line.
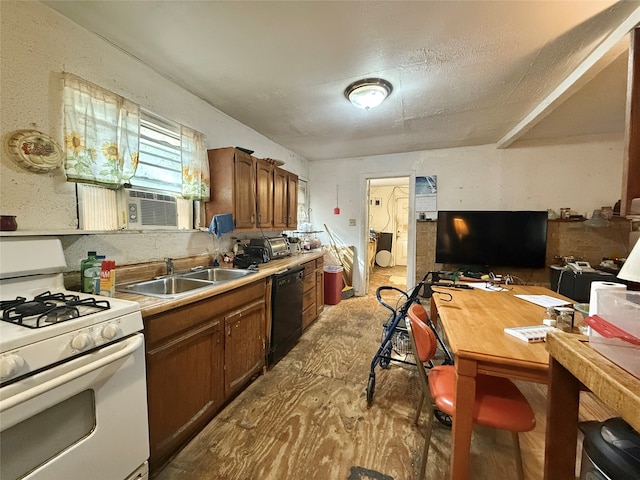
402,230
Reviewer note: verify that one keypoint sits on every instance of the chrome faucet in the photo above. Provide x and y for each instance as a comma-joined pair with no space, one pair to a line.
169,266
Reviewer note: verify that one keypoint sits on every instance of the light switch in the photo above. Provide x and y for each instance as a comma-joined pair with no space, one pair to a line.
352,222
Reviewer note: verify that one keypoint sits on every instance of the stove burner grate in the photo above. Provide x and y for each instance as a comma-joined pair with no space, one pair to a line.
49,308
89,302
5,304
58,297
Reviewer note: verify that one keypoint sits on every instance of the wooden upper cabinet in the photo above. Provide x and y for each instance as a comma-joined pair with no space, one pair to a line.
245,190
280,200
233,180
292,201
256,192
264,192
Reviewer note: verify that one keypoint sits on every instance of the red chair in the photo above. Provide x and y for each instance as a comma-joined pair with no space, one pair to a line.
499,403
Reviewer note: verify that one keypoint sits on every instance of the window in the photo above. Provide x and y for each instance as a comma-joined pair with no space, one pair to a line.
303,212
160,169
110,143
160,161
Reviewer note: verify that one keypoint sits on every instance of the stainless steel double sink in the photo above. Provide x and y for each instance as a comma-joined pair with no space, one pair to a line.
180,284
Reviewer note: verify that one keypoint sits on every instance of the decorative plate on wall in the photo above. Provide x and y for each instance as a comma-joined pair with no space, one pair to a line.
33,150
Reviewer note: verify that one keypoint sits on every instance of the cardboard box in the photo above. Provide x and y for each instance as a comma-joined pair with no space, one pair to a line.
617,336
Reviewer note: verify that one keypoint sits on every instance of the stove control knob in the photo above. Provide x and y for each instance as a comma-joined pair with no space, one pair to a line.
81,341
10,364
111,331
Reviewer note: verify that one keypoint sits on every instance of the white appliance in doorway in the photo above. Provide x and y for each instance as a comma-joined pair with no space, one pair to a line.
72,373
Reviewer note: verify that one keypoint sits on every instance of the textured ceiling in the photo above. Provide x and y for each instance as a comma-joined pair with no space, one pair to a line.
464,73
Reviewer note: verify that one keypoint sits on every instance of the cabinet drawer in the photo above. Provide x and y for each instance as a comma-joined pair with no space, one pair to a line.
309,267
320,263
308,315
308,282
308,298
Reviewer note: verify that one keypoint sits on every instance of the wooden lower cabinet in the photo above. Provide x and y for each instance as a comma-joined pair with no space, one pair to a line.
313,291
185,378
198,356
319,287
244,345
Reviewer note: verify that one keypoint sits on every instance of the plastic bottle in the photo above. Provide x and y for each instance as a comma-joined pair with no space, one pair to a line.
86,286
91,275
96,270
108,278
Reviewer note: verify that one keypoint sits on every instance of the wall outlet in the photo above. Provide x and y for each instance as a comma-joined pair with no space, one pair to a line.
352,222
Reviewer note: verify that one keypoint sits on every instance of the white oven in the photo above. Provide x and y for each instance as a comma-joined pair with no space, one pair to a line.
72,390
85,418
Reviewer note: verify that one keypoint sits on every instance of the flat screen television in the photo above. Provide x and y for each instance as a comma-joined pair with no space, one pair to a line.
492,238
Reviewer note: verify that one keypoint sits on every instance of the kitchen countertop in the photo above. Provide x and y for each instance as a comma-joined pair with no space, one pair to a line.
154,305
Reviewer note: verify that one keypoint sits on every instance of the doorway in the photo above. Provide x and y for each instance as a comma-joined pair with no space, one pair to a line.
388,227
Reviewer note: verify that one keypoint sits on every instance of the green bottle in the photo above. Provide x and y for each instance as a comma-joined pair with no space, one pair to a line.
95,271
86,272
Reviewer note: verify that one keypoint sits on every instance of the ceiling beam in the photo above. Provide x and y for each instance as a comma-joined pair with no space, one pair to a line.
601,57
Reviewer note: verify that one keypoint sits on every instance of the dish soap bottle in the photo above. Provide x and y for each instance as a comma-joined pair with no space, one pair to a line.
86,284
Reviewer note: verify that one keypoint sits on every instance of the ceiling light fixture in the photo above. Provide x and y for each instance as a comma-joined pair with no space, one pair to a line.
368,93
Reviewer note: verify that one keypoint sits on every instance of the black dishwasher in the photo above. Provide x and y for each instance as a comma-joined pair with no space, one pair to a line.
286,312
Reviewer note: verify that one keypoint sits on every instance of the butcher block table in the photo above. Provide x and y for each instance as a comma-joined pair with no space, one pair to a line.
575,365
474,322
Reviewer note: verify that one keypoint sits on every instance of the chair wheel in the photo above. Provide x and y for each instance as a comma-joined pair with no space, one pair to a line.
443,418
371,386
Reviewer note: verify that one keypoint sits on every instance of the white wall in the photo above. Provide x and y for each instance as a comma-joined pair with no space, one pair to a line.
38,44
583,175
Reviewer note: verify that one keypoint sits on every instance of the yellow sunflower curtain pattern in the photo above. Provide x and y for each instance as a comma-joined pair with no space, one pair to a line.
101,133
195,165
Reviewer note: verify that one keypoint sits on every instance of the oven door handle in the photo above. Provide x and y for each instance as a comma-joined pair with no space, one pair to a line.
132,345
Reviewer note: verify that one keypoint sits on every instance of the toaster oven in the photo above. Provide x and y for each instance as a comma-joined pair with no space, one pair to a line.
276,247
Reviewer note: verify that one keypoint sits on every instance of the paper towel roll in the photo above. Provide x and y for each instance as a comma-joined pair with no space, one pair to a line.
593,297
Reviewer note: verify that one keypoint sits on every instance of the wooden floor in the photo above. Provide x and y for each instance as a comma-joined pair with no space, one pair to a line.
307,418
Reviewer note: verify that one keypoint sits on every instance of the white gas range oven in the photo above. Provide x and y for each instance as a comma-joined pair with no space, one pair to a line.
73,401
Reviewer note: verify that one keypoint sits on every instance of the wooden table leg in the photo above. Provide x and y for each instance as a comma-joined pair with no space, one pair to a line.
563,402
465,397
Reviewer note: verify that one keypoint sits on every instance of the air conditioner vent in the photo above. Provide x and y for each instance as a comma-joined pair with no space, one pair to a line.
147,210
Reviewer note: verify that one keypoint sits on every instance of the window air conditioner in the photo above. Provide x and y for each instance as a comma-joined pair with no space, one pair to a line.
149,211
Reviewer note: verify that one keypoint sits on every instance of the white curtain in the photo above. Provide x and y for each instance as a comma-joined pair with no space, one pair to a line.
195,165
101,133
